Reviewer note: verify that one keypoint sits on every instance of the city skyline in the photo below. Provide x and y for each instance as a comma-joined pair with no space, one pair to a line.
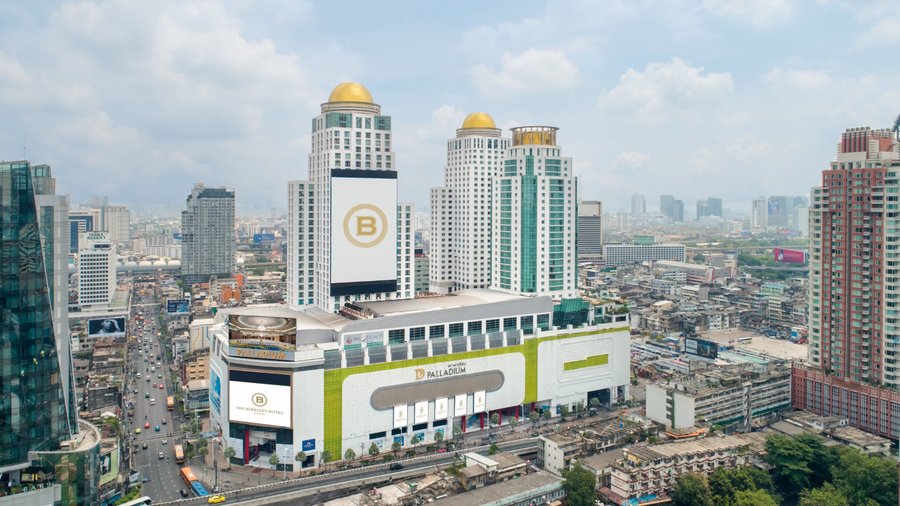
161,91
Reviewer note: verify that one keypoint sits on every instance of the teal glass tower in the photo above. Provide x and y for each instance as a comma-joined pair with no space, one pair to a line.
33,415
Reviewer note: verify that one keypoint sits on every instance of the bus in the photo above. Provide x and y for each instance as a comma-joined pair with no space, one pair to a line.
170,403
188,476
179,454
140,501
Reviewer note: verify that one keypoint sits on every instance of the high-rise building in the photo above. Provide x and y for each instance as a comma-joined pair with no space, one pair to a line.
207,234
854,336
421,266
81,221
117,221
677,211
759,213
38,427
638,205
778,211
348,238
96,269
589,242
460,250
534,214
665,205
709,207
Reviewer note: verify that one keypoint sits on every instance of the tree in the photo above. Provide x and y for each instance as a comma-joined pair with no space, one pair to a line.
579,408
374,450
534,416
563,411
325,458
300,458
724,483
752,498
349,454
826,495
545,414
274,461
203,451
229,453
495,418
691,489
395,447
580,486
438,437
457,431
493,449
861,478
416,439
789,460
594,403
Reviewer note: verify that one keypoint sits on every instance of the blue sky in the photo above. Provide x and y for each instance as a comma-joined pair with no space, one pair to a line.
138,100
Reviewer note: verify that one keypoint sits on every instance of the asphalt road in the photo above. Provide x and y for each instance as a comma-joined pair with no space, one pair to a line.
164,478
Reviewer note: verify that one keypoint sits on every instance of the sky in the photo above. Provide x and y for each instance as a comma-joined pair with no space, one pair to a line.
734,99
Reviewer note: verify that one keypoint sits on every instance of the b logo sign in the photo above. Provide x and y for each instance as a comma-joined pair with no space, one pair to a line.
365,225
259,400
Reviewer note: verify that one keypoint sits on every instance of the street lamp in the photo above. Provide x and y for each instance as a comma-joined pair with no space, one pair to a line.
284,466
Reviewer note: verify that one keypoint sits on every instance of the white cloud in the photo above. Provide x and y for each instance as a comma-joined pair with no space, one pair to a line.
531,71
661,87
631,159
760,13
802,79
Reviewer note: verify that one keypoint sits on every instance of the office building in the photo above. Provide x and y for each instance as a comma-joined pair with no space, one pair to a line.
207,234
709,207
778,211
638,205
759,213
534,215
38,429
461,241
388,371
616,255
96,269
589,241
422,271
671,208
854,338
348,238
81,221
117,221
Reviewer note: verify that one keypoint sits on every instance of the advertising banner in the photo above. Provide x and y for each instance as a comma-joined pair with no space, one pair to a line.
479,402
259,398
215,391
459,408
308,445
701,348
107,327
364,338
440,408
262,337
263,238
363,227
178,306
421,412
400,419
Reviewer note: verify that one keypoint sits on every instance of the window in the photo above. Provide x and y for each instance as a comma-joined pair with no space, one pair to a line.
396,336
509,323
436,331
493,325
416,333
456,329
474,328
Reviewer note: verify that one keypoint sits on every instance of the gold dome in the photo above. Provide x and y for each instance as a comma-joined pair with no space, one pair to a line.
350,92
479,120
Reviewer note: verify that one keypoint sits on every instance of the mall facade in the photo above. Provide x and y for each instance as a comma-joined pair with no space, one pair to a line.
284,380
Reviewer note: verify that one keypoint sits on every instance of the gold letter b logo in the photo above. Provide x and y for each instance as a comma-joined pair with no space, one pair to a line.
365,225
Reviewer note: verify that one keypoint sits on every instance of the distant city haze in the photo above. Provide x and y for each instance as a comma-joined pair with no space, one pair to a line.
140,100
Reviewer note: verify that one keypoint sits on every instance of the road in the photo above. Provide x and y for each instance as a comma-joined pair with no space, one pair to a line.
164,478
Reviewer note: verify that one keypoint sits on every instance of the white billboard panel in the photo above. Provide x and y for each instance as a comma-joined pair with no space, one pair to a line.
459,408
400,419
440,408
479,402
259,404
363,231
421,415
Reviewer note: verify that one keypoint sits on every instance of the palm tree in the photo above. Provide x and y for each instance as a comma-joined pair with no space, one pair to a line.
229,453
300,458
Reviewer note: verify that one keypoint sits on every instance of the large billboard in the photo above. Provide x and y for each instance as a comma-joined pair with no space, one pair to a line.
789,256
363,231
263,238
421,415
259,398
265,333
215,391
440,408
178,306
400,415
701,348
107,327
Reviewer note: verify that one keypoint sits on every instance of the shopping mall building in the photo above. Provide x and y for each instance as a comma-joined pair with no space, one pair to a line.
282,381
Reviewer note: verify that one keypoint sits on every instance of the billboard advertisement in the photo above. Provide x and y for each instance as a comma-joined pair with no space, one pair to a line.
263,238
364,338
421,412
440,408
789,256
459,407
178,306
108,327
479,402
265,333
400,419
215,391
259,398
363,231
701,348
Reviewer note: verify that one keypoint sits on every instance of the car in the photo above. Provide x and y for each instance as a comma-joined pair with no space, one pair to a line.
162,455
396,466
159,375
137,431
146,425
161,386
164,421
144,446
156,428
148,379
164,441
146,395
215,499
184,493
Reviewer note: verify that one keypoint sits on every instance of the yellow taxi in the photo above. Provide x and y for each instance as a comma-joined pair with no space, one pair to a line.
137,431
216,499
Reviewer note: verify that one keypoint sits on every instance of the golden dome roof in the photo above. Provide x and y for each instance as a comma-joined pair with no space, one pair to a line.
350,92
479,120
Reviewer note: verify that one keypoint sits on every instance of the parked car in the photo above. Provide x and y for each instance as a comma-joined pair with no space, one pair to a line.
396,466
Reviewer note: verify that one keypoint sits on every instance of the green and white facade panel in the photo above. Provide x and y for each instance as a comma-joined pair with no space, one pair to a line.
402,370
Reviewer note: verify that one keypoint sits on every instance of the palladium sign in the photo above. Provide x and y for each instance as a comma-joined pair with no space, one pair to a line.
445,370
